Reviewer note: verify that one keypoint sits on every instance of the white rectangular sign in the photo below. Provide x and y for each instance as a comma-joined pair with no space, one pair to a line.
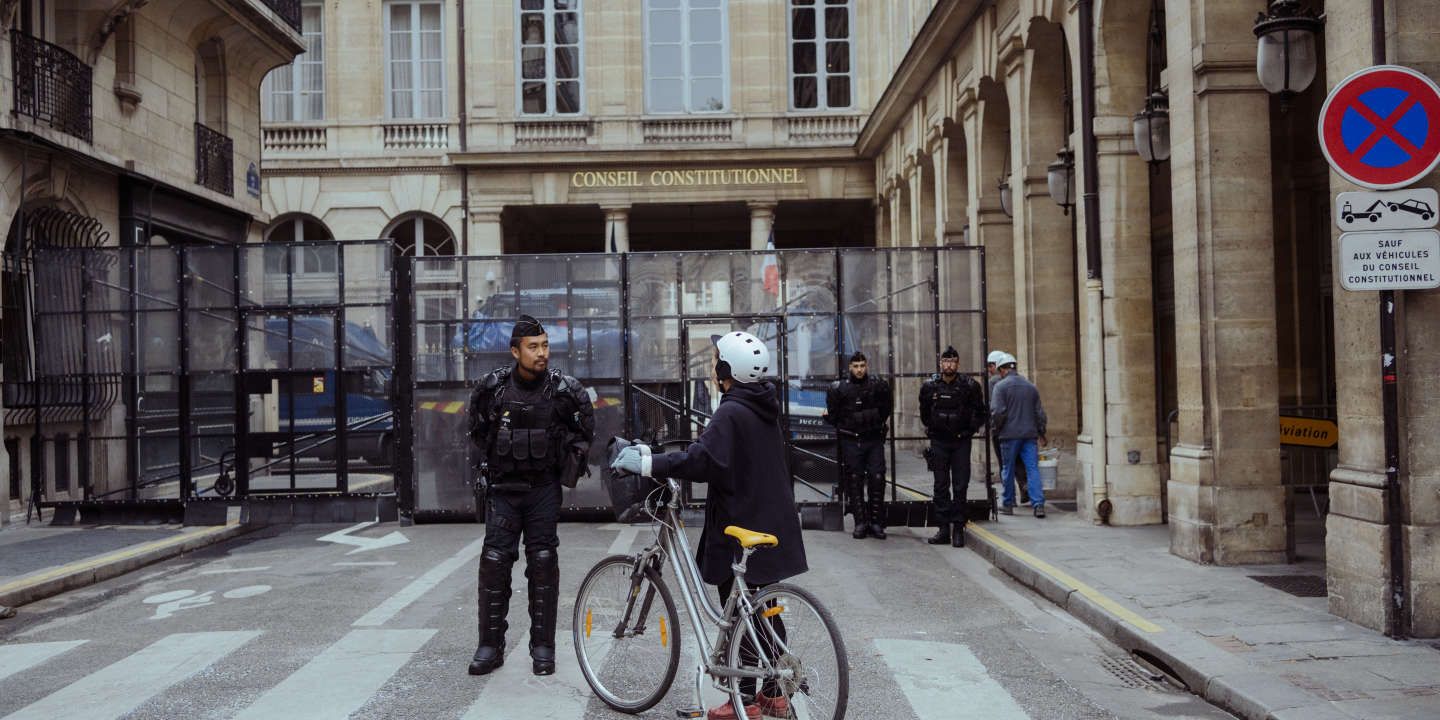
1409,209
1390,260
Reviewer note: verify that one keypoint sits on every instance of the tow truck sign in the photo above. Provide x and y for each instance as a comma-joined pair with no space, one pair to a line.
1412,209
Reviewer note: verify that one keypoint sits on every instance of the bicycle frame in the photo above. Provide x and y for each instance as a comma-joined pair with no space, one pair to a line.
699,608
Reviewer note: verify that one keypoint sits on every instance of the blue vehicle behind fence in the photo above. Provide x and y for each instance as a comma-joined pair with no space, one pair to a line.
310,407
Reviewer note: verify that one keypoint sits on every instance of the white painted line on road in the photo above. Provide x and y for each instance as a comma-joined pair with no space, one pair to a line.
514,691
340,680
15,659
945,681
365,563
228,571
622,543
421,585
125,685
362,543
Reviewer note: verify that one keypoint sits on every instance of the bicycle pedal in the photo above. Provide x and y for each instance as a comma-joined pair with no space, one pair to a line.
690,712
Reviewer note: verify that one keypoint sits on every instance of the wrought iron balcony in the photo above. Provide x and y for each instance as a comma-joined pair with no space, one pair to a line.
288,10
214,160
52,86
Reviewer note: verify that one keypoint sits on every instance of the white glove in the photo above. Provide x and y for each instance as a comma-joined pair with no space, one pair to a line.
633,460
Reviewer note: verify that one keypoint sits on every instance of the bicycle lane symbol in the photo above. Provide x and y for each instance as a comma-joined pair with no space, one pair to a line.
169,603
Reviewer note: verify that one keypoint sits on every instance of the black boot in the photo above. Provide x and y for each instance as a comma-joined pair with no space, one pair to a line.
542,569
941,536
957,537
877,519
862,524
494,605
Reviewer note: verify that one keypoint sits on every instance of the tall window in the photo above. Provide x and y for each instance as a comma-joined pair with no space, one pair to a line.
414,59
820,55
307,259
296,92
550,57
686,63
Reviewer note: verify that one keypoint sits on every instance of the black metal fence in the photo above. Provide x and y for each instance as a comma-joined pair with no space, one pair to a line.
214,160
52,85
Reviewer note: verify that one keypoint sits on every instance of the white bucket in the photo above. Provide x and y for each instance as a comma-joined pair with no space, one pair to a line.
1049,468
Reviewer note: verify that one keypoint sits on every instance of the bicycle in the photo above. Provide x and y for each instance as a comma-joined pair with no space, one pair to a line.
628,644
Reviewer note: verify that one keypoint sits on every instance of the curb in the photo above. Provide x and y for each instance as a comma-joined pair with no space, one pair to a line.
1221,679
48,583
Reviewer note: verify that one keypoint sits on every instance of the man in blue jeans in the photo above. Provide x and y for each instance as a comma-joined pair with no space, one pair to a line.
1018,419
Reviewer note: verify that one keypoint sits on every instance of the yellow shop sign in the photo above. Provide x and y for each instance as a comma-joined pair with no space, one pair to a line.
1311,432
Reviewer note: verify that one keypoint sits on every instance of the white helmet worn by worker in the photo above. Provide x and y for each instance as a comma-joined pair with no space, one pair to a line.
1006,359
995,357
743,357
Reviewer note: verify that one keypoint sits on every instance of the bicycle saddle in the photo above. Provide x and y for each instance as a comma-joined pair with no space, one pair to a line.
750,538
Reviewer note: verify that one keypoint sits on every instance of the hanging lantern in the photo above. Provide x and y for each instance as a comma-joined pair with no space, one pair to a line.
1285,59
1060,177
965,235
1152,129
1006,199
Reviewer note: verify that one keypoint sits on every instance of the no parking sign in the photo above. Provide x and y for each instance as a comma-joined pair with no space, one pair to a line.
1380,128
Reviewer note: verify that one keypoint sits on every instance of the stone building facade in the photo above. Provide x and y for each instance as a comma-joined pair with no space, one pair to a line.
124,123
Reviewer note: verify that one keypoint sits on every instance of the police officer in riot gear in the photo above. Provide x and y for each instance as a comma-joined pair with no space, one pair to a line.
859,406
532,427
952,408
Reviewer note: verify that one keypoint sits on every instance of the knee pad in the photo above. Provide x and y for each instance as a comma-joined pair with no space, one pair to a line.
542,564
495,566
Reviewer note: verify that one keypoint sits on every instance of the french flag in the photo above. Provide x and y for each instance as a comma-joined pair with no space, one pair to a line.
770,268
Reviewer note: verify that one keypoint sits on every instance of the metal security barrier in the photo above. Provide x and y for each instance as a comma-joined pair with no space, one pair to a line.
637,328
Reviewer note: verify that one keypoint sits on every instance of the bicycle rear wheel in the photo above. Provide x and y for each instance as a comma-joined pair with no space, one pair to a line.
801,641
627,634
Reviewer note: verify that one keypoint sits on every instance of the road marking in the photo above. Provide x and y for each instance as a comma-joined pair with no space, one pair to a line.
946,680
15,659
1065,579
228,571
365,563
562,696
421,585
340,680
343,537
622,543
125,685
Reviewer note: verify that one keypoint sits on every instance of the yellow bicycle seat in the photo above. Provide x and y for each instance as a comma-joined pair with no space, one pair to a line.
750,538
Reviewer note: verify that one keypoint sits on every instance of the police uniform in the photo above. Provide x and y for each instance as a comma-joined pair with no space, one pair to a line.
859,409
528,434
951,412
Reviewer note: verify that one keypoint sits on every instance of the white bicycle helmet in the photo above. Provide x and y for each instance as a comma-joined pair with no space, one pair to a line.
743,357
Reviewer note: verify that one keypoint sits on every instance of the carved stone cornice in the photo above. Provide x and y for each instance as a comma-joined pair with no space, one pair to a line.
1010,54
933,135
967,102
117,14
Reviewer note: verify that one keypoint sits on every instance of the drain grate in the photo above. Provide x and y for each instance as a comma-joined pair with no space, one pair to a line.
1297,585
1130,674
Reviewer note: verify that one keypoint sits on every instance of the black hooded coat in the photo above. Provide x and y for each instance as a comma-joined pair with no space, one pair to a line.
741,454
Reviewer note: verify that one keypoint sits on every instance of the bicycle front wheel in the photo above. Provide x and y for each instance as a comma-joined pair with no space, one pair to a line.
802,649
627,634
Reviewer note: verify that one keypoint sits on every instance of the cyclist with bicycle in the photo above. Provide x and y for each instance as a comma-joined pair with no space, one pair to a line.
741,454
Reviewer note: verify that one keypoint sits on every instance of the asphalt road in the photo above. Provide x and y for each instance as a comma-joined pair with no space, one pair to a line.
280,624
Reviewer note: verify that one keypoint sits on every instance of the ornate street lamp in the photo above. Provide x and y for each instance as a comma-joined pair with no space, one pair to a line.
1060,177
1006,198
1285,59
1152,129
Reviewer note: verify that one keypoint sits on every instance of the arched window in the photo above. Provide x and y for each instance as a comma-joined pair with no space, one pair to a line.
421,235
300,228
210,85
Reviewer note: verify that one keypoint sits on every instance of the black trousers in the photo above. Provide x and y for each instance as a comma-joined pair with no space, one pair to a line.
748,655
511,516
864,476
949,460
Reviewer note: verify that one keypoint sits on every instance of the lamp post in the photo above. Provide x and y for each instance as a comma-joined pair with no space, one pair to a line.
1060,179
1285,58
1152,129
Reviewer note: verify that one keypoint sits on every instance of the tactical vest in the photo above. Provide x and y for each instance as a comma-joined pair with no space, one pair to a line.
860,410
527,434
948,413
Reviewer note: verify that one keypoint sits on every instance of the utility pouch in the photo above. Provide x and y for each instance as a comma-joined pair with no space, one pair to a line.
539,443
503,441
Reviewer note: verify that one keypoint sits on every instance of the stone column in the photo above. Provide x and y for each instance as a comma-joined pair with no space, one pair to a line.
486,235
1357,543
939,151
1227,505
617,225
762,222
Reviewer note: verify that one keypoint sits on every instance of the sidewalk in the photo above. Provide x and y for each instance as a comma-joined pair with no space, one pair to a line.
1258,652
38,561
